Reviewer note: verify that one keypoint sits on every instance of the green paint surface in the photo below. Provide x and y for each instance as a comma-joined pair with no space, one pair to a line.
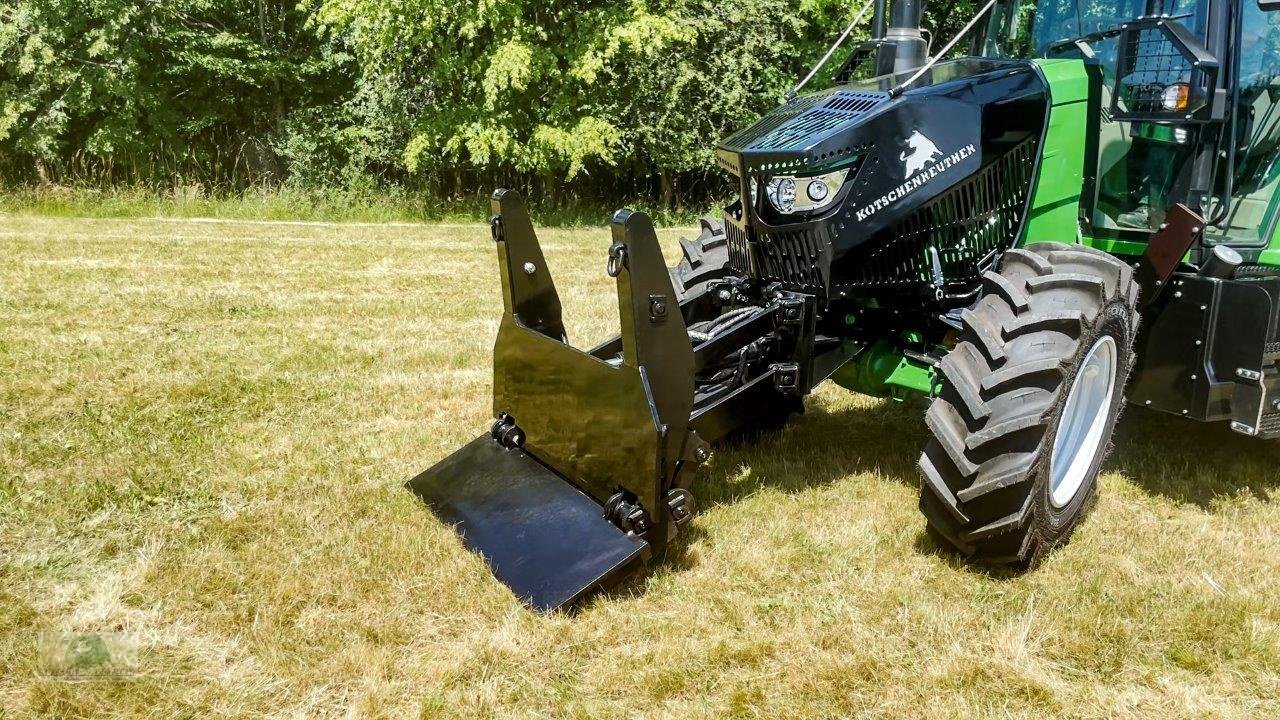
883,371
1055,204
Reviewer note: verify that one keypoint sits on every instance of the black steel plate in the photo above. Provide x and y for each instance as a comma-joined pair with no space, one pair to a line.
543,538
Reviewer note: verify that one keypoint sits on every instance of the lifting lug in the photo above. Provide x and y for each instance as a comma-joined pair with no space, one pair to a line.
680,503
617,259
786,377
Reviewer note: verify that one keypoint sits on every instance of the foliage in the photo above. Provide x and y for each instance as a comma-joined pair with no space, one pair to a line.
198,88
612,100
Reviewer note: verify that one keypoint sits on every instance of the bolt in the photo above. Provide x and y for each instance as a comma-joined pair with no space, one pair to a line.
1184,412
1194,376
725,294
1147,402
530,268
1199,342
702,454
1203,308
1178,294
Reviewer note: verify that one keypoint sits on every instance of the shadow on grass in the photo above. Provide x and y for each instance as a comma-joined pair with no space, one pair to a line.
1182,460
818,448
1192,462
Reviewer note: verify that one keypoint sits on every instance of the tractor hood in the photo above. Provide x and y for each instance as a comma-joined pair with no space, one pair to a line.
829,129
901,152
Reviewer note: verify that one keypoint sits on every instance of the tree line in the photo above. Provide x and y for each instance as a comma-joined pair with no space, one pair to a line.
579,99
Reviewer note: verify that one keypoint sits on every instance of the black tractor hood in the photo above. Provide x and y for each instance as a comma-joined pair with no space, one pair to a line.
811,133
903,151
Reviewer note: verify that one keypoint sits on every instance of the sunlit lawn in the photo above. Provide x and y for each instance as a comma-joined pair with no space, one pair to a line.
204,433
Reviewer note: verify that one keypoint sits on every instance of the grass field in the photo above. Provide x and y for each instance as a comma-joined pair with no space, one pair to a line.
204,432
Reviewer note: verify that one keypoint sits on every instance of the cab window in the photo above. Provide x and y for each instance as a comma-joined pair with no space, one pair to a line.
1139,164
1256,171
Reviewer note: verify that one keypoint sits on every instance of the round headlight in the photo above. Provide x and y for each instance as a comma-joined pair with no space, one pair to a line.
782,193
1176,96
817,190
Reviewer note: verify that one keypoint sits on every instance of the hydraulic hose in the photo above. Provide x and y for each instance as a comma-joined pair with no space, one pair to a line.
719,324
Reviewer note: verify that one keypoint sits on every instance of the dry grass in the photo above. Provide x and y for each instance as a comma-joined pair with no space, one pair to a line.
205,428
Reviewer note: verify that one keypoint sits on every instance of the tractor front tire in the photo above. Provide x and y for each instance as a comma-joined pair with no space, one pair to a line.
705,258
1031,395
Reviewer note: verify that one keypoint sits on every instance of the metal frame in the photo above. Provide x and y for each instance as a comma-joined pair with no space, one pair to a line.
613,433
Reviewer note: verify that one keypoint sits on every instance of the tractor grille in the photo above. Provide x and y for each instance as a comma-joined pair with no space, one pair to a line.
1270,426
966,227
800,259
739,247
804,120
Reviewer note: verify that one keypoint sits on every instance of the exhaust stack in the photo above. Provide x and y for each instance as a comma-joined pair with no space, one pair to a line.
903,48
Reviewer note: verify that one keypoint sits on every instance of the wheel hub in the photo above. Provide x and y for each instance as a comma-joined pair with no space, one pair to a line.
1083,423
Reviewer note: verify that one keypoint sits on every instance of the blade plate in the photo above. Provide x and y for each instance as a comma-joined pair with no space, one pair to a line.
545,539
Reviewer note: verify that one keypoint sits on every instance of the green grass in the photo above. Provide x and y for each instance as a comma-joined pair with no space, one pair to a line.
204,432
286,203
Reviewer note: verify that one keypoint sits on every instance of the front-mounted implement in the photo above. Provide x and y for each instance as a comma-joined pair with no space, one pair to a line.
585,474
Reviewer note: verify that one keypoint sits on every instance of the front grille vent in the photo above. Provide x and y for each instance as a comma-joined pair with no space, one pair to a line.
966,227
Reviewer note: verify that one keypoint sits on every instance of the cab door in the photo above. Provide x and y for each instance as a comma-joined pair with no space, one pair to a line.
1254,204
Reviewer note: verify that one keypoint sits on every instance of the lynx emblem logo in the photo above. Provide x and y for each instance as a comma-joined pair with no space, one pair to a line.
922,152
924,163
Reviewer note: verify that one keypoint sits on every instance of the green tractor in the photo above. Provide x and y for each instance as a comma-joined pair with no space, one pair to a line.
1080,213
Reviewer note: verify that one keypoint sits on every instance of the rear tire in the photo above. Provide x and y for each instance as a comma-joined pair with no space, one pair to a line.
1031,396
705,258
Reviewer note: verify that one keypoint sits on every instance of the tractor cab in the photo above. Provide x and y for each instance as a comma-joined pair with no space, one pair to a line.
1198,122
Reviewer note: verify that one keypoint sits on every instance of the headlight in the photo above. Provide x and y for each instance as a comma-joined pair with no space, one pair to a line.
782,193
789,194
1176,97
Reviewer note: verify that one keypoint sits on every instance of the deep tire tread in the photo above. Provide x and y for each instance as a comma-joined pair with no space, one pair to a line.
984,471
704,258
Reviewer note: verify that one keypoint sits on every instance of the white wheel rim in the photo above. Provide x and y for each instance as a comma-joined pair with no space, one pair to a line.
1083,422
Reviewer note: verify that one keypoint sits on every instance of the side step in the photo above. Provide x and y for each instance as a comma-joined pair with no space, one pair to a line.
545,539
